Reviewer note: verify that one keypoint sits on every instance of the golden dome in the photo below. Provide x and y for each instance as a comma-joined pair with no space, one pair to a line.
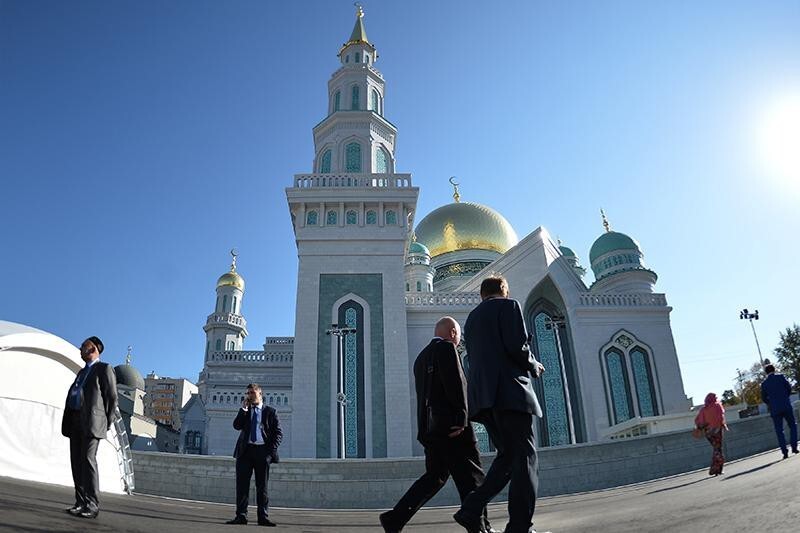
231,279
465,226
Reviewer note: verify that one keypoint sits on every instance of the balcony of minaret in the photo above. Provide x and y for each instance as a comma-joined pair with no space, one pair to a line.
225,319
352,181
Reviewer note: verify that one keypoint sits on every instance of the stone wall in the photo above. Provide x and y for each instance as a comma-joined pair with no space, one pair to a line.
379,483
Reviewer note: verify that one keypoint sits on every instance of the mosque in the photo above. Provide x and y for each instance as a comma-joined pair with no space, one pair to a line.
607,344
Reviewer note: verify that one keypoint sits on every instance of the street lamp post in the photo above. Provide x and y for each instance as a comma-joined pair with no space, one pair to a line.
744,314
555,323
341,399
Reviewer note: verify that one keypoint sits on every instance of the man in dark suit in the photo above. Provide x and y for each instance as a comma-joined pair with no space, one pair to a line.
88,414
501,397
257,447
442,428
775,392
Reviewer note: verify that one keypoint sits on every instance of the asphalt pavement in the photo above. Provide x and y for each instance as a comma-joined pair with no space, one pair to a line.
760,493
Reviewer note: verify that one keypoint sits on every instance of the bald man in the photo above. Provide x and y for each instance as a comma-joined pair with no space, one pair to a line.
451,448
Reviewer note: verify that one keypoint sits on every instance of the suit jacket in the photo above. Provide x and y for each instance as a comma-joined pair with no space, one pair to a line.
500,363
98,402
775,392
448,389
270,431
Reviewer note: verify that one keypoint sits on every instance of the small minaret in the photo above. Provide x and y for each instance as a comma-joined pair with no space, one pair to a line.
226,328
418,269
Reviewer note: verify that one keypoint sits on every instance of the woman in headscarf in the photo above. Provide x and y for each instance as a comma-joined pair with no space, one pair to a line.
711,420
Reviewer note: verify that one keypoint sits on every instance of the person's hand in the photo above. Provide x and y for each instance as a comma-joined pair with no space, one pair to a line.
538,369
455,431
245,404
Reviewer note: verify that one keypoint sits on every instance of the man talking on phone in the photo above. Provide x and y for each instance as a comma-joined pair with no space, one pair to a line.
259,437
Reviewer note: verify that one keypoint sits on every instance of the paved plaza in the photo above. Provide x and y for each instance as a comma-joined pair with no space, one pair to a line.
759,493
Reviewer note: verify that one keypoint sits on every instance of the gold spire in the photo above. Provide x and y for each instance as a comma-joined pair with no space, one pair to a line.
413,236
454,183
128,356
359,9
234,255
605,221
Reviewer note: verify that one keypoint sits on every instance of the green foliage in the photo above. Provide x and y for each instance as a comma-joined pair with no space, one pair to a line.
788,353
729,398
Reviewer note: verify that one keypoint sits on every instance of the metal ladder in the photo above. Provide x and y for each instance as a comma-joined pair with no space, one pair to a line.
119,440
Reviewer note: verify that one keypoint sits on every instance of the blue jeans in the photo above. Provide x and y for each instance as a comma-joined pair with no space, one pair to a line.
777,419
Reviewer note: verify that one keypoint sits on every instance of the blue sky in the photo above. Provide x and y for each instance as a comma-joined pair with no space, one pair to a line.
140,141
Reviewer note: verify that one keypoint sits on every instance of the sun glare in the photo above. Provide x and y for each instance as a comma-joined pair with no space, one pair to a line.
779,139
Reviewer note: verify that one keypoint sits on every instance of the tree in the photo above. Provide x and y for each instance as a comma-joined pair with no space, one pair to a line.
751,388
729,398
788,352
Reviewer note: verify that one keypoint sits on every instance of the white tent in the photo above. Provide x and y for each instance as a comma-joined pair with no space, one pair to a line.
36,370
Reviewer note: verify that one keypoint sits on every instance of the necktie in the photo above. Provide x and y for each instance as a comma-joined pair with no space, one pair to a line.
253,426
75,393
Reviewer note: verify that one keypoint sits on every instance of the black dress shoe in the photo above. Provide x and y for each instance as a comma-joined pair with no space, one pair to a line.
89,513
75,510
471,524
266,522
387,526
239,520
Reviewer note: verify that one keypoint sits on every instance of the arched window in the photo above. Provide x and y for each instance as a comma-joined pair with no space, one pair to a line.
208,345
358,57
337,100
325,162
311,218
352,314
347,58
374,99
198,440
331,219
353,156
390,218
224,303
419,286
352,218
372,217
366,59
217,306
286,400
233,307
553,386
230,345
618,382
214,400
218,344
355,104
430,286
643,379
407,289
380,162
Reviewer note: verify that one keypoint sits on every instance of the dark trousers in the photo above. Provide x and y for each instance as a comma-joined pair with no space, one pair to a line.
457,457
512,434
252,458
83,459
777,420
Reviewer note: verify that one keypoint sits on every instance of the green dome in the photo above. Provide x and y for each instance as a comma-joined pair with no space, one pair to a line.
611,241
418,248
567,252
127,375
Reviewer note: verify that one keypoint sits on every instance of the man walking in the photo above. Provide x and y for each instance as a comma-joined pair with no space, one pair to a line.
88,414
775,392
442,428
257,447
501,397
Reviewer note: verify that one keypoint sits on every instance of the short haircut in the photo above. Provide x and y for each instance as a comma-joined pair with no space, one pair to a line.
254,386
769,369
494,285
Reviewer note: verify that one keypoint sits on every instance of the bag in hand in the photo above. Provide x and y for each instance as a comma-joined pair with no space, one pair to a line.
698,433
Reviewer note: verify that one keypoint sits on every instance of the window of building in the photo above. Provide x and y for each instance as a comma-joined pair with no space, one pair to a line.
358,57
355,104
419,286
331,219
325,162
311,218
374,101
372,217
618,383
353,157
643,379
390,218
224,303
218,344
352,218
380,162
233,307
337,98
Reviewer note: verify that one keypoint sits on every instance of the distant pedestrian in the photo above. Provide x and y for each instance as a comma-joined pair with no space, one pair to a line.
775,392
257,447
711,420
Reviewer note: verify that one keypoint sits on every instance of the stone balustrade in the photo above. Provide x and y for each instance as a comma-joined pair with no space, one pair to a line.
437,299
245,356
385,181
228,318
589,299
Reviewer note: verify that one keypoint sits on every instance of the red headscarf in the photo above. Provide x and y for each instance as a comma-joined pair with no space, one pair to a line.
712,414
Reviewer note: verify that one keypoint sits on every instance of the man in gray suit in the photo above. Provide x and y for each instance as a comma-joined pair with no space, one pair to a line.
88,414
501,397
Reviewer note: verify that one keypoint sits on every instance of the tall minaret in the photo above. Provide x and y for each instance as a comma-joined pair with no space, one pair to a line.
352,218
226,328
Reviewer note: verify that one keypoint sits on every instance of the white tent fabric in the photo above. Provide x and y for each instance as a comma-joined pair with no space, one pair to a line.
36,369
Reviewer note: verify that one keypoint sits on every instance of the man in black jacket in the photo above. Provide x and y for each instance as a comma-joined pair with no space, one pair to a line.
88,414
442,428
501,397
257,447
